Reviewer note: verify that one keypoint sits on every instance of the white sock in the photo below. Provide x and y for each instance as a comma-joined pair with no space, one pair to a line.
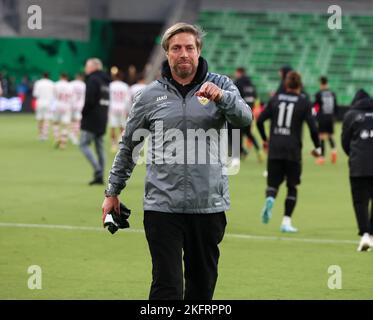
286,221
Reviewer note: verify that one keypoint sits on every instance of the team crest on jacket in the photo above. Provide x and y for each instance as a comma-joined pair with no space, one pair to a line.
203,100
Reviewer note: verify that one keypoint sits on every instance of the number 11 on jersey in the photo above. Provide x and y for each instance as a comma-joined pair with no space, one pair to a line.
284,118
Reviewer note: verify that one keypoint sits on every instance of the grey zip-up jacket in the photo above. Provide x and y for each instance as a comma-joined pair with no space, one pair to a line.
178,187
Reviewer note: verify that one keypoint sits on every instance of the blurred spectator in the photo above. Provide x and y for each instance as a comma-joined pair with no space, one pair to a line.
11,86
24,89
132,75
4,84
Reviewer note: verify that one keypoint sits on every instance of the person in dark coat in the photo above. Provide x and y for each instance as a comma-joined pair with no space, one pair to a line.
357,142
94,117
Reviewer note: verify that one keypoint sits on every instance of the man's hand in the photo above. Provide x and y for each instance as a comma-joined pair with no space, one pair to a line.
210,91
109,204
316,152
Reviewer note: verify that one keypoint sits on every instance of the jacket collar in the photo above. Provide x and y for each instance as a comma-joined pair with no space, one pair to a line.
363,104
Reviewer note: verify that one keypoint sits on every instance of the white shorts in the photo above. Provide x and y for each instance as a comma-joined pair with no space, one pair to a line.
42,112
62,117
117,120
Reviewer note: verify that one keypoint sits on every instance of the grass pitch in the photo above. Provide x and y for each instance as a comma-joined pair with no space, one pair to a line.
45,199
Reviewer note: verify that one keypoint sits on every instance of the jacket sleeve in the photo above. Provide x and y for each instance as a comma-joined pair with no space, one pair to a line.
266,114
91,93
312,126
234,108
347,131
125,159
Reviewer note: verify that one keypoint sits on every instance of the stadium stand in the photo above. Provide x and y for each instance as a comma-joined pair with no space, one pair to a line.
32,56
261,35
262,42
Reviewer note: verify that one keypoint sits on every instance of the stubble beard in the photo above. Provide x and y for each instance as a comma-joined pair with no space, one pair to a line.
184,73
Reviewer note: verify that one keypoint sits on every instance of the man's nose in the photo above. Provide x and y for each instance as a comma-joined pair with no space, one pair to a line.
184,52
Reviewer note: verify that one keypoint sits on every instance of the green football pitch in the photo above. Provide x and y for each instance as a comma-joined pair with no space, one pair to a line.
51,218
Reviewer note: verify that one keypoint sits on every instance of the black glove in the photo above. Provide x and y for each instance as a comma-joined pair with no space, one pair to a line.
115,221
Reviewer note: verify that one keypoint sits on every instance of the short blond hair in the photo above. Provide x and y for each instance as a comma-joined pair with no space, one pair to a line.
96,62
179,28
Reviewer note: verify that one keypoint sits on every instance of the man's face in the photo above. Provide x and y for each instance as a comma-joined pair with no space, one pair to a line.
238,74
183,55
89,67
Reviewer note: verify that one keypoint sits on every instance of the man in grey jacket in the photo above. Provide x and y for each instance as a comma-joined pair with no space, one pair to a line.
185,200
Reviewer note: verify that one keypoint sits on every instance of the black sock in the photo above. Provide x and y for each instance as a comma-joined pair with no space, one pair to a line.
290,201
332,143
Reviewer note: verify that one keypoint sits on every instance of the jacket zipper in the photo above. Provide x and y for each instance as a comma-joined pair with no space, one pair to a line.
185,155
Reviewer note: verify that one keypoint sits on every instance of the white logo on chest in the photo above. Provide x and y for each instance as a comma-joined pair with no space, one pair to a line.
161,98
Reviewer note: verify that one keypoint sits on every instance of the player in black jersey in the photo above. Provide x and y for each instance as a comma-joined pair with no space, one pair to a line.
326,110
287,112
248,93
284,70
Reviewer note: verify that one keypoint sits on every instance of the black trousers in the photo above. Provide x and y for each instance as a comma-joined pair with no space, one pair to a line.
362,195
192,238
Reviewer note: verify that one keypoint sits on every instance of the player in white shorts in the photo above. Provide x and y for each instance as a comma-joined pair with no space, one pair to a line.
62,110
43,93
120,101
78,87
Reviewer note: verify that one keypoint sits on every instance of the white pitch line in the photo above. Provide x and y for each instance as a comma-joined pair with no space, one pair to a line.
230,235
